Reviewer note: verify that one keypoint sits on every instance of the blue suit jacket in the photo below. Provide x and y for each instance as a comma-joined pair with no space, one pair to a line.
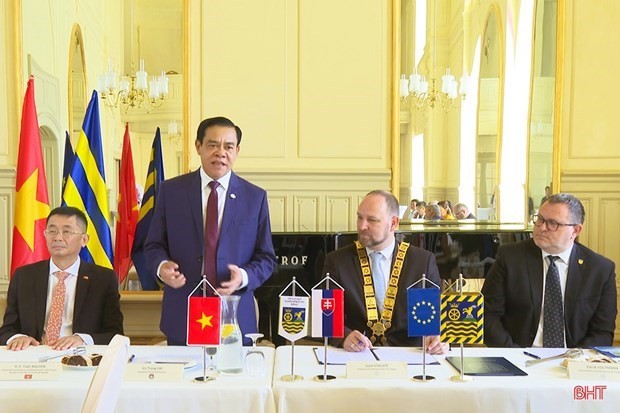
177,234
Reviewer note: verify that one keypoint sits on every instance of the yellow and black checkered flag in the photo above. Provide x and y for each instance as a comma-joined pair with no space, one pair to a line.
462,318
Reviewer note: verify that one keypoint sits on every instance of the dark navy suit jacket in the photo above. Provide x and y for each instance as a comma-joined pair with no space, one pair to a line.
513,293
177,234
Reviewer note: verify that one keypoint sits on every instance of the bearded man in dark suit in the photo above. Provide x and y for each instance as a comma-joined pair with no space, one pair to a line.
90,310
514,289
377,219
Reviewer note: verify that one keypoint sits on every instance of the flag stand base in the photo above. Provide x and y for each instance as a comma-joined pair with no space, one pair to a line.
203,379
289,377
462,378
422,378
324,377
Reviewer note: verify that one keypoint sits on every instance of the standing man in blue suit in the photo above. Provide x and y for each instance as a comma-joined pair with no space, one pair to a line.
175,246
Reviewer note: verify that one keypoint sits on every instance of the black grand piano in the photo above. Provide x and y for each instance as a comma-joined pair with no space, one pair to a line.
466,248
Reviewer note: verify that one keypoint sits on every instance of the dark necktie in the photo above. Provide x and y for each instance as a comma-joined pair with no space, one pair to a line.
553,319
211,235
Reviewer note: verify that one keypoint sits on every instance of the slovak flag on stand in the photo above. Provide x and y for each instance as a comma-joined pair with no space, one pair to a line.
203,321
328,313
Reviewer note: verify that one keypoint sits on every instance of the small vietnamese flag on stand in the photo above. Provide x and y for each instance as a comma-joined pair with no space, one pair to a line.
203,321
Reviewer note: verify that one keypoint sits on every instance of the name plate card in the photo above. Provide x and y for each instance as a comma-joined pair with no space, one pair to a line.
593,371
30,371
376,370
154,372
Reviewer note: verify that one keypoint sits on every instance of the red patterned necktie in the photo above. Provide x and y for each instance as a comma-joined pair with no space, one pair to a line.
56,309
211,235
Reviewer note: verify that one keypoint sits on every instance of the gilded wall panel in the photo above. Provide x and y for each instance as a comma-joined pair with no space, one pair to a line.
278,212
339,212
590,116
308,213
344,80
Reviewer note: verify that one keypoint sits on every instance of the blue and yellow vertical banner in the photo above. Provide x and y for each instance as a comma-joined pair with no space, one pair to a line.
462,318
154,177
86,188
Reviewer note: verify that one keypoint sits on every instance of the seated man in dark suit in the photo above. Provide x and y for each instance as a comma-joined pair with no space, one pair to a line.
551,291
377,219
62,302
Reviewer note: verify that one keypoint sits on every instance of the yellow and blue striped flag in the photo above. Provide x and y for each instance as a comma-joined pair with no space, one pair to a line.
154,177
86,188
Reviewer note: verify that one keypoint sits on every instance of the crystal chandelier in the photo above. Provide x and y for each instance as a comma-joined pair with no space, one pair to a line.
422,93
134,91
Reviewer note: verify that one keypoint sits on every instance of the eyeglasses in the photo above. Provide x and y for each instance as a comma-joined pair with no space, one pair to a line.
52,233
552,225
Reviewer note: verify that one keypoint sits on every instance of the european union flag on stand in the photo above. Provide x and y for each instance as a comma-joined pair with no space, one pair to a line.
423,313
86,188
154,177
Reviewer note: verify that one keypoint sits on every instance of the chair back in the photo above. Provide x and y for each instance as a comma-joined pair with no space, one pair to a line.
106,384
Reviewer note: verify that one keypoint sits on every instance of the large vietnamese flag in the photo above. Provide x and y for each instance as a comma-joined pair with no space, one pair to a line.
127,211
327,313
203,321
31,200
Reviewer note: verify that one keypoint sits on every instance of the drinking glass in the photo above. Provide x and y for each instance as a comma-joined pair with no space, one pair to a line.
254,358
211,351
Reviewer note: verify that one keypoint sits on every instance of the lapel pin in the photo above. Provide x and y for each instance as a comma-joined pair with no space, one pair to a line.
85,277
233,196
580,261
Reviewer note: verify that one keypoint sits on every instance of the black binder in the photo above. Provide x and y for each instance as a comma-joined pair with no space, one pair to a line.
486,366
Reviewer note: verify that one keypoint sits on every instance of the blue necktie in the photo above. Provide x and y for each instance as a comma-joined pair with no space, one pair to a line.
378,279
553,318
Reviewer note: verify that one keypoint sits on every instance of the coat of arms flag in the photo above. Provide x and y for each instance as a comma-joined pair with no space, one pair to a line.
462,318
293,317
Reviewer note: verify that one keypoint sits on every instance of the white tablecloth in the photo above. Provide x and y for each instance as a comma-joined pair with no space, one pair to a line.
546,388
228,393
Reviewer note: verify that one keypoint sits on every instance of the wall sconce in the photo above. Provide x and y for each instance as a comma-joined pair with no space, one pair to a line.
173,131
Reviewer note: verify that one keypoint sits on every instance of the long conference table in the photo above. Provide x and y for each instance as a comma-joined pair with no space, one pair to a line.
227,393
546,388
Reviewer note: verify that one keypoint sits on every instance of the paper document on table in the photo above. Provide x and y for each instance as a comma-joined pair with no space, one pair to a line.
408,355
542,352
340,356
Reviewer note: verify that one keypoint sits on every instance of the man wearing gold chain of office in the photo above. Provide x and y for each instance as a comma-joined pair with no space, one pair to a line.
375,273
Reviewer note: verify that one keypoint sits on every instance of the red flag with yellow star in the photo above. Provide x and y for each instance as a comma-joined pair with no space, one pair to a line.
203,321
127,211
31,201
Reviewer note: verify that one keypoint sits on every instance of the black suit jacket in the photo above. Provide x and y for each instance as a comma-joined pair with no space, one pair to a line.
344,267
513,292
96,311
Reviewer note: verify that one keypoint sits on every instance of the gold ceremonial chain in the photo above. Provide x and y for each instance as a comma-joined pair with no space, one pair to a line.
377,326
